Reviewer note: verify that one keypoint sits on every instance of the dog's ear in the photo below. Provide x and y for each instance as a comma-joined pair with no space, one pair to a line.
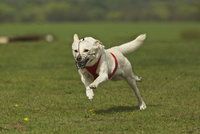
99,44
76,38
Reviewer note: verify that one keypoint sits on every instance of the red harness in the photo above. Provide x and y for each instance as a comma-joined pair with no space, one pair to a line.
92,69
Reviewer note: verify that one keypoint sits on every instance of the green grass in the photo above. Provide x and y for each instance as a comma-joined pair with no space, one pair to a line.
40,81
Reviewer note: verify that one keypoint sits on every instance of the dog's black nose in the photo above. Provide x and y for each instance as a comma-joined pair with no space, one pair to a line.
79,58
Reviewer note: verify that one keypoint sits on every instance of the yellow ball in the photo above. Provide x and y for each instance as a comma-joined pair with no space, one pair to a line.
26,119
16,105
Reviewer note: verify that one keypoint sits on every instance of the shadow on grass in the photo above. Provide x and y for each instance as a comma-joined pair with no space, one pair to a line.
120,109
116,109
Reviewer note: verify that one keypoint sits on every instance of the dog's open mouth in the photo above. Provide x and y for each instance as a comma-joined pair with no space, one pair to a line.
81,64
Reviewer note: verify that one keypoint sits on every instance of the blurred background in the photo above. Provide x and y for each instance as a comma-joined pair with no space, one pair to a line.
98,10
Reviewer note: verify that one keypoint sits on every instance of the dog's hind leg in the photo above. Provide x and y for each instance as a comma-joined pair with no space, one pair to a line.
131,80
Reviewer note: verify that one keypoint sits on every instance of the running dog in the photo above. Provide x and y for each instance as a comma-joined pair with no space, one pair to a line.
96,64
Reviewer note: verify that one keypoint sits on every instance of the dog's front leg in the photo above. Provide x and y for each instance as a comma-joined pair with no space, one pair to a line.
86,81
103,76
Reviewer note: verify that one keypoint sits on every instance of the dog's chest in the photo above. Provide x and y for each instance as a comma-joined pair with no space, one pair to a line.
92,70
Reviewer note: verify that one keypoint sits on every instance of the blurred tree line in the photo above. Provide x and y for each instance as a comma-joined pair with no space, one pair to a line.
95,10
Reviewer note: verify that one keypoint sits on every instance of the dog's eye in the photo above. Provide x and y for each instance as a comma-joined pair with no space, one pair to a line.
85,50
76,51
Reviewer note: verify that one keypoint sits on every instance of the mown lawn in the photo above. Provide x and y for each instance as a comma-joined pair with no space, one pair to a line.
41,92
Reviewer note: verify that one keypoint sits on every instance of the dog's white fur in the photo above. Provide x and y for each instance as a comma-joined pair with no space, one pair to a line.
93,49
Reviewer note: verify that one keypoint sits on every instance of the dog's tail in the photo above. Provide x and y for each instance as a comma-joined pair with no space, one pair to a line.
132,45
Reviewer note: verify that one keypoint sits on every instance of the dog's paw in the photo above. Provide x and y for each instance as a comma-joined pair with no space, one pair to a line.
93,86
138,78
89,94
142,106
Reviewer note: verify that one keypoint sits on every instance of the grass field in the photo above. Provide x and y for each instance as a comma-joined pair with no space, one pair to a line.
41,91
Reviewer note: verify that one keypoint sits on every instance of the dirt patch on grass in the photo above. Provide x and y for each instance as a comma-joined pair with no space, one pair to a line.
19,126
190,34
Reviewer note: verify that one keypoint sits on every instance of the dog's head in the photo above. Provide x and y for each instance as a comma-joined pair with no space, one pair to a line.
86,51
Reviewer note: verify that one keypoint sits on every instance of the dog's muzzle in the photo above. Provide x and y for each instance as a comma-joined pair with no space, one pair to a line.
81,64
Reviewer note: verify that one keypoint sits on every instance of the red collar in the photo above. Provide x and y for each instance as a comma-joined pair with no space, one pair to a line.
115,69
93,69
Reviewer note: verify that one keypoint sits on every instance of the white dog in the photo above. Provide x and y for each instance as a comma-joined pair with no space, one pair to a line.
96,64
